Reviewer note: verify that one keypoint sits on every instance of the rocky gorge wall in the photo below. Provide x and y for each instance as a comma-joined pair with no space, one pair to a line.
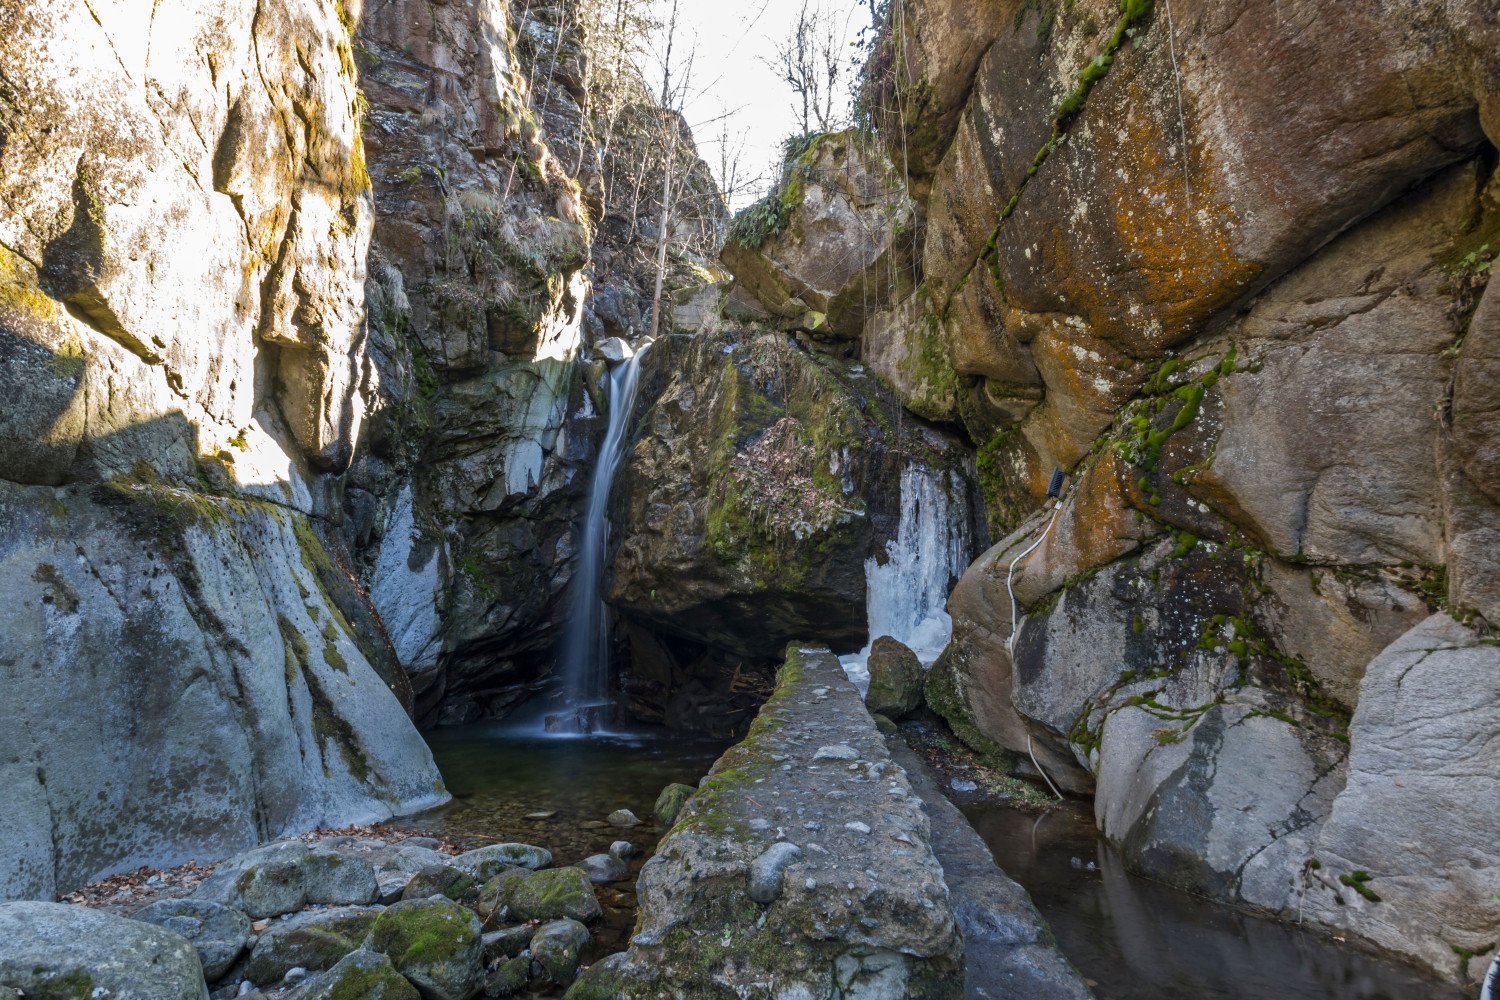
1238,286
296,299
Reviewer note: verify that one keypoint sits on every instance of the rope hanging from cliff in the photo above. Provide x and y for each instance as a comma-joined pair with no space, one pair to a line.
1054,496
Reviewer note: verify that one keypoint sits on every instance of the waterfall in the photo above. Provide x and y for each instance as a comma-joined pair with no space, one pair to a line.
584,656
907,596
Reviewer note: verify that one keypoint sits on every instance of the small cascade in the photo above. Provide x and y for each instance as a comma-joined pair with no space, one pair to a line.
584,655
908,595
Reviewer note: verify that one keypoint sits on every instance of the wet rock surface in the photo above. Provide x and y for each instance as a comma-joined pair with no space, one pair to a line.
1008,948
812,861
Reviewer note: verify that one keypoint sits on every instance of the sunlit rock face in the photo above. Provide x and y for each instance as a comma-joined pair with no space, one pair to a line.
1242,294
189,666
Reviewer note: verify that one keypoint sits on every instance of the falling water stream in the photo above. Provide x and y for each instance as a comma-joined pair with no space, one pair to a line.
584,656
907,595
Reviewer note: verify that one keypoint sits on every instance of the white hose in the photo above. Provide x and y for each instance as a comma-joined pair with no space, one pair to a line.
1010,645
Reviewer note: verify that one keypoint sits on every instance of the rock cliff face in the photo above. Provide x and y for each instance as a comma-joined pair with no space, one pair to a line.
256,260
1239,288
509,238
189,665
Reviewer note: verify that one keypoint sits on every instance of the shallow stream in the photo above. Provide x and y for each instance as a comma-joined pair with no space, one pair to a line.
1140,940
556,792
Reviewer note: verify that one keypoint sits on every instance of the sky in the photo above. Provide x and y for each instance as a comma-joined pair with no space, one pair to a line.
732,89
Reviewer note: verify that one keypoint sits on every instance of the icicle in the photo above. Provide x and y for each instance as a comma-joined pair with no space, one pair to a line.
908,595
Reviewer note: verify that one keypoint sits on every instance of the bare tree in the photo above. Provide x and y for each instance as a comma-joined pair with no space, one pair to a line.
672,96
810,60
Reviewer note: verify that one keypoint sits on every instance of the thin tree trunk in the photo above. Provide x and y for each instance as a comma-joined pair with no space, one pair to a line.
661,241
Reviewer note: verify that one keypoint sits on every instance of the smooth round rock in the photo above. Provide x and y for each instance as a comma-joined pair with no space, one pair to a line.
767,871
218,933
55,950
623,818
623,850
604,868
516,855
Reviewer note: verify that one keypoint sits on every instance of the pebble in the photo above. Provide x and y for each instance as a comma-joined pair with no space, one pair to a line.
963,785
842,751
541,815
857,827
766,871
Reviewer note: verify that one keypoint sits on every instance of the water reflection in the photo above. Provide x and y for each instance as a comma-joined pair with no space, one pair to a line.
1140,940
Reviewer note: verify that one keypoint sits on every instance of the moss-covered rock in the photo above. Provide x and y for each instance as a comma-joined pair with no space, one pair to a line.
314,940
554,894
360,975
896,679
445,880
555,948
434,943
670,802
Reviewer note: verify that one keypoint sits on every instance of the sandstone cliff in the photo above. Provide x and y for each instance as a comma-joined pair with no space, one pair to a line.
1236,281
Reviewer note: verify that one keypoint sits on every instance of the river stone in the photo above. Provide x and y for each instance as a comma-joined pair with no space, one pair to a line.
670,802
766,871
624,850
281,878
601,981
441,880
555,947
509,978
53,950
603,868
896,679
554,894
217,932
360,975
623,818
435,943
520,855
495,892
391,885
314,940
507,942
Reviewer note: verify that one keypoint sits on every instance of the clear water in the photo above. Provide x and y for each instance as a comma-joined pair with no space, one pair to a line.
499,777
584,655
1140,940
908,593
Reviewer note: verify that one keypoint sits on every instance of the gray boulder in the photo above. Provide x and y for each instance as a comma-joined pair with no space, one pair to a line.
365,975
217,932
434,943
519,855
282,878
896,679
54,950
603,868
441,880
555,948
509,978
315,940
